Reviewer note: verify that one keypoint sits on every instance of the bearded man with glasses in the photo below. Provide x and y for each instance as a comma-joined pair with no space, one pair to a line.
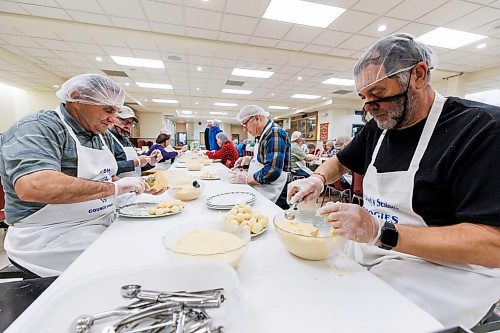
430,221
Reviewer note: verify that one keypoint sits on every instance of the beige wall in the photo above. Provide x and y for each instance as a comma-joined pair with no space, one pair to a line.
238,129
16,103
151,124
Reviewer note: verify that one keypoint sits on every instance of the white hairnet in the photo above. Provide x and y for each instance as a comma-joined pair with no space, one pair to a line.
295,136
222,137
210,122
95,89
394,54
251,110
217,121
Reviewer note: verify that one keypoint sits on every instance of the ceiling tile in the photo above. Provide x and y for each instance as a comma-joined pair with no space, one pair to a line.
204,19
12,7
47,3
475,19
290,45
301,33
163,13
267,42
376,7
214,5
117,51
448,12
20,41
83,6
352,21
411,10
70,55
239,24
50,12
416,29
167,28
317,49
235,38
254,8
146,54
36,32
128,23
52,44
331,38
91,18
37,52
123,8
358,42
392,24
272,29
201,33
341,52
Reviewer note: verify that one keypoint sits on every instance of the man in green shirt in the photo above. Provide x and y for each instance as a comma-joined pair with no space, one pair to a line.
299,157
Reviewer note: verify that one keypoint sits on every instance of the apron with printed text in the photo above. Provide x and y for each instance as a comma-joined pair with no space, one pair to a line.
49,240
271,191
131,154
455,294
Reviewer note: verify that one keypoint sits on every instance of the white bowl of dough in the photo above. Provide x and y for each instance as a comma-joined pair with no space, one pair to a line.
213,241
187,191
206,161
194,165
307,236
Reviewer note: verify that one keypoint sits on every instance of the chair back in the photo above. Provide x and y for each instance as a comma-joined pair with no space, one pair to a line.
357,184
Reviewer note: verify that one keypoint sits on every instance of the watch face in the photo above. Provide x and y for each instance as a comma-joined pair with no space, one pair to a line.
389,236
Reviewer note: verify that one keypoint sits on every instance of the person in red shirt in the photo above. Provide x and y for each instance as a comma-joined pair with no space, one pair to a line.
227,152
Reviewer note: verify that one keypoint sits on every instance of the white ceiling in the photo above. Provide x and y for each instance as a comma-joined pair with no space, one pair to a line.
44,42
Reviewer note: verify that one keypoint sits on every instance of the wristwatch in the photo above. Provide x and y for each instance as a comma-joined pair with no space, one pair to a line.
388,236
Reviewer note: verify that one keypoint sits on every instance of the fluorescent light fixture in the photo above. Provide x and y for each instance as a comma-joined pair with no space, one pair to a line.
304,96
382,27
167,101
218,113
154,85
199,68
127,84
481,46
138,62
197,89
187,112
302,12
56,86
272,94
299,78
187,116
224,104
278,107
339,82
449,38
196,103
237,91
98,59
251,73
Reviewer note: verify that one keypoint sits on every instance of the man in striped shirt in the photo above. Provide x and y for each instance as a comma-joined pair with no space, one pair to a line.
269,167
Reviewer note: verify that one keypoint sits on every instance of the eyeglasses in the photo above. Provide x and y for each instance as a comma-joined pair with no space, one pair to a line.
387,99
244,124
128,122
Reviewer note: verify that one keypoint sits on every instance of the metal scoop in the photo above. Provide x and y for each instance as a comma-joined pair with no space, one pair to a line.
290,212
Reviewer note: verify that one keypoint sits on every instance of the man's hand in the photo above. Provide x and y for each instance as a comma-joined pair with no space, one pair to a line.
142,160
242,161
238,177
305,189
156,157
352,222
130,184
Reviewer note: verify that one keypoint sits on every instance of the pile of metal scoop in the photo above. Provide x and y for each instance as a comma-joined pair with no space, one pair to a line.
155,312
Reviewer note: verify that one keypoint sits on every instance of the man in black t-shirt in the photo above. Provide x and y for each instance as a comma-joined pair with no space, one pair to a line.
430,222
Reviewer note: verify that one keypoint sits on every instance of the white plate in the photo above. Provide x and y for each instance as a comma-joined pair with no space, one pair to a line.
101,292
216,178
259,233
179,165
230,198
140,210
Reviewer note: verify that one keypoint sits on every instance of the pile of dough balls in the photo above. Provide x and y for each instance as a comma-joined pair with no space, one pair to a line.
172,206
209,175
243,215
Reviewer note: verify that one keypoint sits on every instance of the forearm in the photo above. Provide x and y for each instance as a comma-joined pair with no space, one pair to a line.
126,166
332,169
53,187
463,243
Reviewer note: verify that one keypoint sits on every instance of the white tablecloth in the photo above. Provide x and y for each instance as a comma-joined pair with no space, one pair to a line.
281,292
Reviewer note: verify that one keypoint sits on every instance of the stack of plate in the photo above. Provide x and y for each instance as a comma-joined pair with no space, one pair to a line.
227,200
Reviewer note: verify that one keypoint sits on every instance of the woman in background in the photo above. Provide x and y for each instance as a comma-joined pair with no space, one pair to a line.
227,152
162,142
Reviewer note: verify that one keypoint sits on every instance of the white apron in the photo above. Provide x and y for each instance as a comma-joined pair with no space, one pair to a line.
49,240
131,154
270,191
302,166
454,294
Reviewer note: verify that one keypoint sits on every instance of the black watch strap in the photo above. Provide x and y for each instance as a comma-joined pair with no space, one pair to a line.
388,236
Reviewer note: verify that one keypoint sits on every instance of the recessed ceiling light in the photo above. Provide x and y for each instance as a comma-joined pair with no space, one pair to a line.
251,73
449,38
167,101
236,91
302,12
145,100
305,96
225,104
56,86
339,82
197,88
382,27
127,84
481,46
199,68
218,113
196,103
138,62
154,85
299,78
186,112
272,94
98,59
187,116
323,97
278,107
